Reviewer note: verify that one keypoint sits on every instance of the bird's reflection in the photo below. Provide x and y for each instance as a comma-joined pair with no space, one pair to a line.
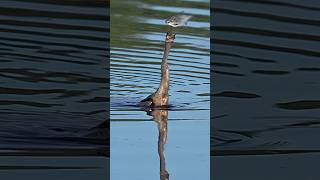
160,116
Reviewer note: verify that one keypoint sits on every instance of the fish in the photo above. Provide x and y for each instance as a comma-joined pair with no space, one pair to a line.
178,20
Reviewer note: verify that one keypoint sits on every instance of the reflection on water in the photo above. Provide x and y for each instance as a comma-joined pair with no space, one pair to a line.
138,32
160,116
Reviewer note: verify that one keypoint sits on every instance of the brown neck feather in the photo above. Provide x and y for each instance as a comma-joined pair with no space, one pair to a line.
164,84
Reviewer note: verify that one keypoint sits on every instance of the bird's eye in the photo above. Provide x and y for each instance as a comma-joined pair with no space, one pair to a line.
176,24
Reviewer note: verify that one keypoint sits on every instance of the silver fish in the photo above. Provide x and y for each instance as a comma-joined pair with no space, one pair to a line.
178,20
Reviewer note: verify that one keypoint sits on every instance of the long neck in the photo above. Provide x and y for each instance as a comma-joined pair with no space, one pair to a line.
164,84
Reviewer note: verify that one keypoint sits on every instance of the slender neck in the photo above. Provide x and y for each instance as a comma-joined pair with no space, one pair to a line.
164,84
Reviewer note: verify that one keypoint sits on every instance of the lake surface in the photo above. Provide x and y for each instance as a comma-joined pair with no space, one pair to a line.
266,98
53,88
172,142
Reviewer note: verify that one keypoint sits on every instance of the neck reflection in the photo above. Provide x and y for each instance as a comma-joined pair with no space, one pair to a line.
160,116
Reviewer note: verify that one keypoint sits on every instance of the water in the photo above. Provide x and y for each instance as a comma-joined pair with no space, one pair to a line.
163,143
53,90
53,87
52,168
266,89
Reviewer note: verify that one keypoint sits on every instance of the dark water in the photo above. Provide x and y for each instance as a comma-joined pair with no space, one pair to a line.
172,142
266,89
53,79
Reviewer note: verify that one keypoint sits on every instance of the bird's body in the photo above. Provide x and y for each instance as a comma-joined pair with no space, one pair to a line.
178,20
161,96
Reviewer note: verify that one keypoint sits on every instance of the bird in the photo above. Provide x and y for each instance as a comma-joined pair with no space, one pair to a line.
160,97
178,20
